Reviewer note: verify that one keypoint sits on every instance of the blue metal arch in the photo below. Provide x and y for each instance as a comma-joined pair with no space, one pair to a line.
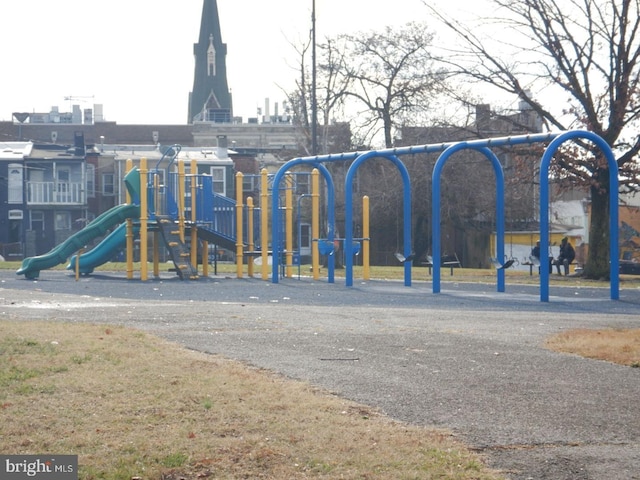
613,208
275,218
435,207
348,237
482,146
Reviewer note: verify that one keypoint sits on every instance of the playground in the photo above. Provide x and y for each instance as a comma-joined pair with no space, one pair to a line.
467,357
429,360
185,215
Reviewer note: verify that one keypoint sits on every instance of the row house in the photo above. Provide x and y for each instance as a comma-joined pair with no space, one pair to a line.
49,191
12,212
55,195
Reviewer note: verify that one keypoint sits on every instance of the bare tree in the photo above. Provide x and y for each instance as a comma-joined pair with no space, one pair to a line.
330,90
300,99
332,86
391,74
587,52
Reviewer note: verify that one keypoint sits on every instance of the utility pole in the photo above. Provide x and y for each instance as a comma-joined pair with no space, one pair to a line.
314,106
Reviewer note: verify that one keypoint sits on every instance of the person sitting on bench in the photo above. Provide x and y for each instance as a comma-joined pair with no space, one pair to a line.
567,255
535,257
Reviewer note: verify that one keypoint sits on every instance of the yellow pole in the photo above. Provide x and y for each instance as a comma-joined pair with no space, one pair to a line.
365,237
289,224
181,199
129,234
250,245
156,234
80,252
194,229
239,206
264,221
143,220
315,222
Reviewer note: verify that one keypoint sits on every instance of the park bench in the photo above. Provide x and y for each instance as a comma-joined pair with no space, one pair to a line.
451,261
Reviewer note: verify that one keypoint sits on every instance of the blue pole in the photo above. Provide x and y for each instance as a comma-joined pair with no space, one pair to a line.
544,219
406,207
435,208
500,216
434,148
331,219
614,260
275,217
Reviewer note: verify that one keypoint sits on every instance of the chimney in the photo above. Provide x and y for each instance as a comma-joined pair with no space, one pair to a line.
78,143
222,151
98,115
523,104
483,116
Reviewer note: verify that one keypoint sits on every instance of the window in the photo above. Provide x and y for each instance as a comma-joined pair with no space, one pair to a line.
219,180
251,183
63,174
63,185
91,180
211,58
305,236
302,183
108,186
218,115
36,220
62,221
14,195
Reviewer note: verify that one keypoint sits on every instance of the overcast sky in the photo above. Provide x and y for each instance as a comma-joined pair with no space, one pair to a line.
135,57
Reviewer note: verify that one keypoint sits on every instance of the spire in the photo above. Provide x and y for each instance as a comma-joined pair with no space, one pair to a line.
210,99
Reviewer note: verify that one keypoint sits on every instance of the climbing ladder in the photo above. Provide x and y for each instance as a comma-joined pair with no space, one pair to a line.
178,250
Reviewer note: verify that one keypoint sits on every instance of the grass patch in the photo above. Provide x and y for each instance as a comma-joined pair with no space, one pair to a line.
133,405
621,346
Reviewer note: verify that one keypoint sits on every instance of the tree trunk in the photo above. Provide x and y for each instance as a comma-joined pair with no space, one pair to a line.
597,266
387,124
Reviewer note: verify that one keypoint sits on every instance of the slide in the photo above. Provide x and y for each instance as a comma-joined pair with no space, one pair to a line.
103,252
99,226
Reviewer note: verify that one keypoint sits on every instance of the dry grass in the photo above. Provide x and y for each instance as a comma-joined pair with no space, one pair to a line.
617,346
132,405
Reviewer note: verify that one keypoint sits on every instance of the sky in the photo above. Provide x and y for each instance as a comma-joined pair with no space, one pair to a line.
135,57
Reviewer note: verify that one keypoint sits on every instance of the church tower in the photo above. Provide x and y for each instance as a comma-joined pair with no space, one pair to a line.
210,100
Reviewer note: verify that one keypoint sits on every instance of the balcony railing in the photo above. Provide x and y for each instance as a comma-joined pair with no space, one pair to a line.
56,193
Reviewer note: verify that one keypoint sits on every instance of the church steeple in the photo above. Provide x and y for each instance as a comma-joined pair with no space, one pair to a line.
210,99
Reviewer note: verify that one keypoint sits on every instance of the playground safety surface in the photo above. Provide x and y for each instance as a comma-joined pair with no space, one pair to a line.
468,359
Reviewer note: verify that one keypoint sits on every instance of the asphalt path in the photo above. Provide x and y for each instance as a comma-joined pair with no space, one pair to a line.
468,359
